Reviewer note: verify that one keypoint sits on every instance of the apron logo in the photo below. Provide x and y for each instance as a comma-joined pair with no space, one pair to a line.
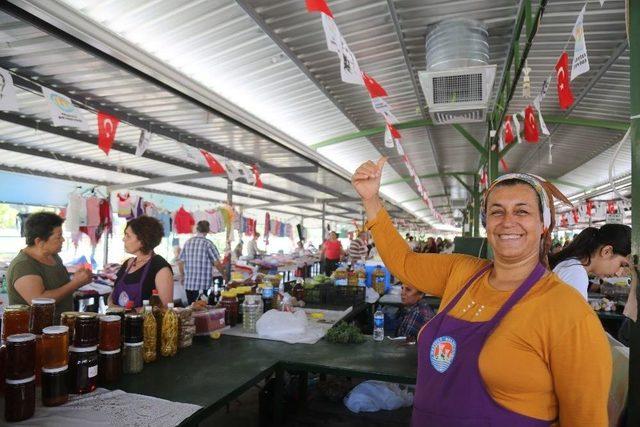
443,351
123,299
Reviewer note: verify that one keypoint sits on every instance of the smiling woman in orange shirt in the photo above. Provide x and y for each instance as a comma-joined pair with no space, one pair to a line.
512,345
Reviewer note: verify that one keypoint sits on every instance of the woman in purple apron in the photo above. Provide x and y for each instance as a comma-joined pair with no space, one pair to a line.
139,276
512,345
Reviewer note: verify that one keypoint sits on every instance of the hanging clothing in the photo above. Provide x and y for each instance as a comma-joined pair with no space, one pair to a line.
106,221
93,211
76,213
183,222
21,219
137,208
201,216
165,219
124,205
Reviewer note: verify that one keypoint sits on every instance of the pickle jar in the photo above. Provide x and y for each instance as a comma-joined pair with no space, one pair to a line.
132,358
21,356
19,399
110,336
15,320
83,369
86,330
55,347
42,314
55,386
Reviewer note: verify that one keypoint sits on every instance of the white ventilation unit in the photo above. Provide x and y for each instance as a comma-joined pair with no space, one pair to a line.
458,81
458,203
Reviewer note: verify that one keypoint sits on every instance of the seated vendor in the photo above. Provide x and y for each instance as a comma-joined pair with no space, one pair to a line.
140,275
414,313
37,271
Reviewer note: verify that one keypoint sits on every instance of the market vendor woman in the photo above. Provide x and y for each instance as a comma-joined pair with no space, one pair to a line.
512,345
146,271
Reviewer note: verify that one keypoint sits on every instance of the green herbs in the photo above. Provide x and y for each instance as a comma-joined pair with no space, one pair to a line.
344,333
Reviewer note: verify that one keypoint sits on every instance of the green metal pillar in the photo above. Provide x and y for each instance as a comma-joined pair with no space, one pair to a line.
476,206
493,159
633,417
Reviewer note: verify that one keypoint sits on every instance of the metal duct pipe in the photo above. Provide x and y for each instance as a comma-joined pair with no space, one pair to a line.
457,43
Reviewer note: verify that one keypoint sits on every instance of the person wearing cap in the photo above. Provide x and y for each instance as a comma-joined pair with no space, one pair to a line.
197,259
37,271
511,345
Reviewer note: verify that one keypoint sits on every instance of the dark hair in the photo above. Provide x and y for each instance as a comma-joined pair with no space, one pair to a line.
41,225
148,230
587,243
203,227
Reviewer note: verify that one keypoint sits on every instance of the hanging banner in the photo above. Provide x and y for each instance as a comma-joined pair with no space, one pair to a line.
565,96
516,124
380,106
580,63
233,171
256,176
373,87
8,99
543,125
247,174
389,117
143,142
214,166
331,33
399,148
318,6
62,111
107,126
508,130
530,126
602,2
349,69
543,91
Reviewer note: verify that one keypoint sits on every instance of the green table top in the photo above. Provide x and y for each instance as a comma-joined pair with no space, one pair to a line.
213,372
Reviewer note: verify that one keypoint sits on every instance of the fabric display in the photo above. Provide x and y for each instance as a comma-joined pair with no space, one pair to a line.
124,205
183,222
89,215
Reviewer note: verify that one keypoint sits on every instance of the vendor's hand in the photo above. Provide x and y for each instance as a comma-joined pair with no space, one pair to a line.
366,179
82,277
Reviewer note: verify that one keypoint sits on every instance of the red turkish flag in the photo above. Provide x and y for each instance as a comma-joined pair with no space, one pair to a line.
530,125
508,130
611,207
394,132
374,88
319,6
589,207
565,96
256,174
107,125
214,166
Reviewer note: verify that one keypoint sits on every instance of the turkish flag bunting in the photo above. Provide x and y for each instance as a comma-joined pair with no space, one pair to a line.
483,177
530,125
505,166
319,6
374,88
611,207
394,132
107,125
256,174
589,207
214,166
508,130
576,217
565,96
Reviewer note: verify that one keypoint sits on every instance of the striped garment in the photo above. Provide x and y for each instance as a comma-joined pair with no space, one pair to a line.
198,255
358,250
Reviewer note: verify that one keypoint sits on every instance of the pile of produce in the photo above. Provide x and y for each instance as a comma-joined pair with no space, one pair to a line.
320,279
344,333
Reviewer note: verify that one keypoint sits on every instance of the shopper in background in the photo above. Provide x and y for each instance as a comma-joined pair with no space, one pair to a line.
252,247
432,246
197,259
146,271
37,271
332,252
600,252
414,314
358,248
237,251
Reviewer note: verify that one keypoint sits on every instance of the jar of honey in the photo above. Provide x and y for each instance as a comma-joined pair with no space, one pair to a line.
42,314
55,347
68,319
86,330
110,336
55,386
21,356
19,399
109,366
15,320
83,369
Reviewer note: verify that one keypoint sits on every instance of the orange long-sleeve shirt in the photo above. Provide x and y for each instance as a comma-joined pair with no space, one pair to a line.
549,358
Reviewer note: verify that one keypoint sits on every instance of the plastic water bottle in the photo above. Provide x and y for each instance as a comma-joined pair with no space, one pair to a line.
378,326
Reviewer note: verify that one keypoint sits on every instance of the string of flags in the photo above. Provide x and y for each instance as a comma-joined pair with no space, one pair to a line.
64,113
350,72
592,210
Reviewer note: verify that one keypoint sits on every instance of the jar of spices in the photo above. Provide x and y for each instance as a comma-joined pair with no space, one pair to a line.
230,303
55,347
133,327
109,366
83,369
110,336
21,356
68,319
132,357
55,386
19,399
15,320
86,330
42,314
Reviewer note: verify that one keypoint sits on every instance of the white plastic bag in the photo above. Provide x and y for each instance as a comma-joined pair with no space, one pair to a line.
281,325
371,296
372,396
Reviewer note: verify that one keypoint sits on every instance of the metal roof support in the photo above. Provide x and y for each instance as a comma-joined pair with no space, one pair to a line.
429,175
476,206
472,141
633,402
227,273
324,215
464,184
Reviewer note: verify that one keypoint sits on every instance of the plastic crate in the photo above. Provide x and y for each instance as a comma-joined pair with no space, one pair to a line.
334,297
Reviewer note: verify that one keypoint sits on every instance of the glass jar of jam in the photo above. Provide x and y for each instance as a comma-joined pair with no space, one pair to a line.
230,303
132,358
133,328
68,319
86,330
83,369
21,356
19,399
55,347
42,314
110,335
55,386
109,366
15,320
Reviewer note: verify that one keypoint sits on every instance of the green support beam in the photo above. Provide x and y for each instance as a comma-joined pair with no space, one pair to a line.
633,400
594,123
472,140
429,175
464,184
476,207
568,184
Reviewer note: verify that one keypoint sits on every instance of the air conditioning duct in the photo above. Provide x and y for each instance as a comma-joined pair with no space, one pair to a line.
458,81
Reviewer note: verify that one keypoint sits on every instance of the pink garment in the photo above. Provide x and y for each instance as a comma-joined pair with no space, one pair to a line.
93,212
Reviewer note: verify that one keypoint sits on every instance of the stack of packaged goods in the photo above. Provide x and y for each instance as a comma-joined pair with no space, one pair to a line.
186,326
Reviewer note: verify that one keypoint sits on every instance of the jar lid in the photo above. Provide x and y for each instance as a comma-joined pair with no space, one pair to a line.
109,351
41,301
54,370
170,305
110,318
133,316
115,310
74,349
54,330
69,313
16,307
133,344
21,337
22,381
86,315
145,302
